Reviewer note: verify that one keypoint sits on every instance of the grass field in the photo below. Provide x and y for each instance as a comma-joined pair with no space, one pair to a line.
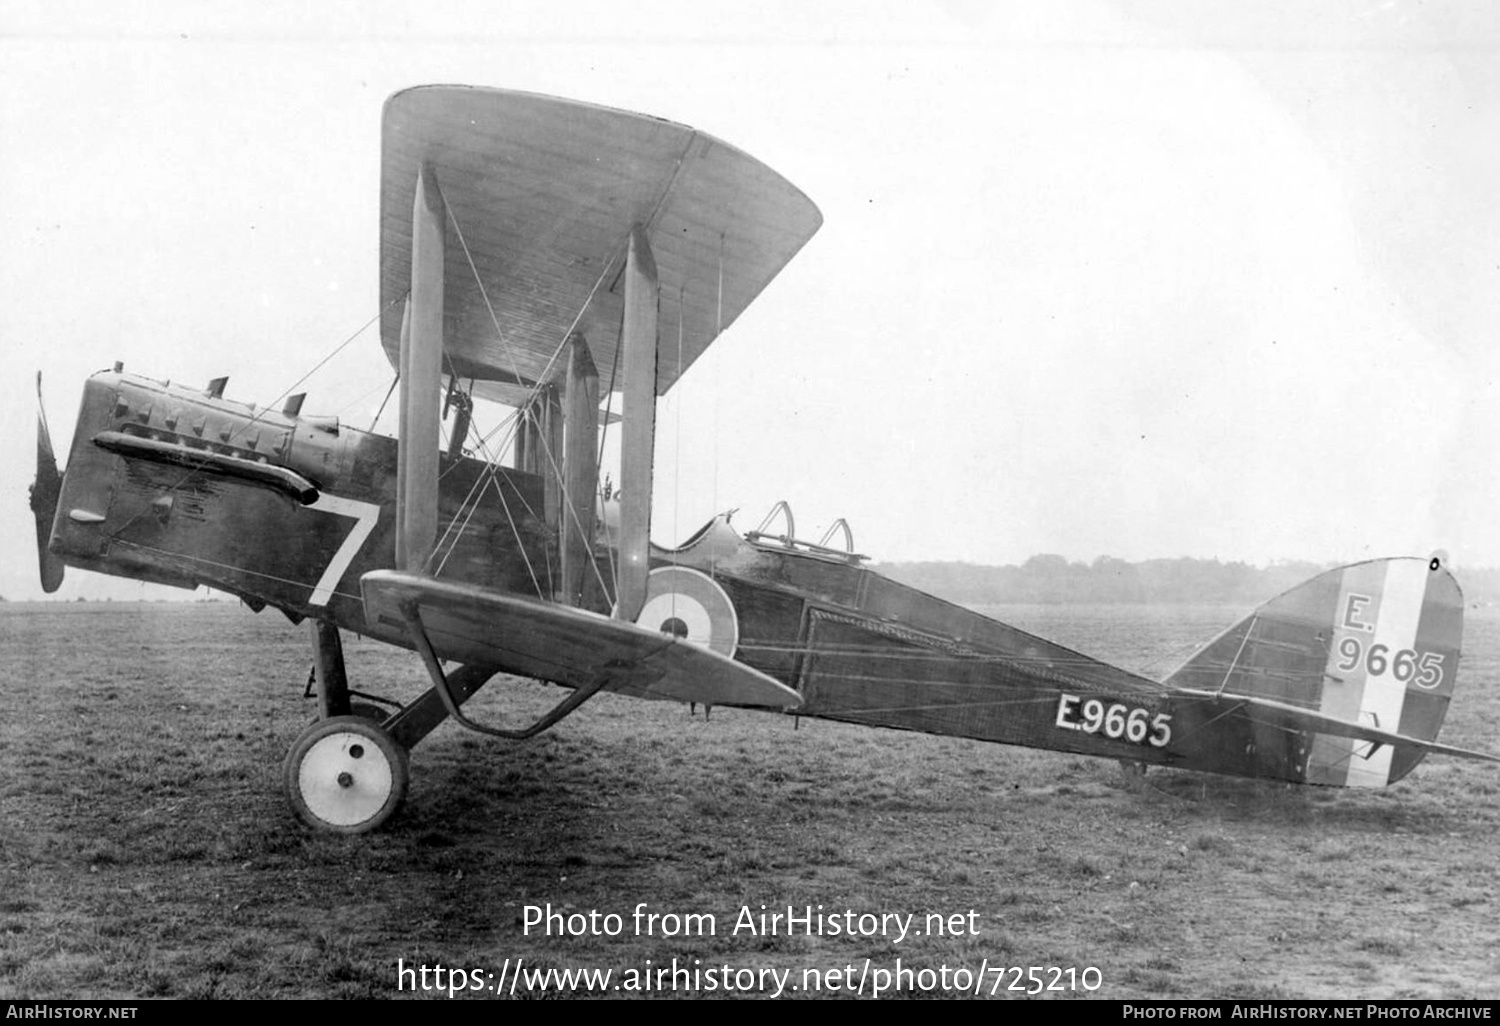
147,849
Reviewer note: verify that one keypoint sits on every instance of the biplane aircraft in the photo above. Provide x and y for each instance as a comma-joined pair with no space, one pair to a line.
544,255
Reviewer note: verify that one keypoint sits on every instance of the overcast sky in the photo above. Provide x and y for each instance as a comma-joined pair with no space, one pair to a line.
1141,279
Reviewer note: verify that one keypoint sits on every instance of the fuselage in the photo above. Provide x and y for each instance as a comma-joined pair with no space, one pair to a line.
184,487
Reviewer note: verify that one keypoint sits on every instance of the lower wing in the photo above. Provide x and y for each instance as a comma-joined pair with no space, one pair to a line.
484,627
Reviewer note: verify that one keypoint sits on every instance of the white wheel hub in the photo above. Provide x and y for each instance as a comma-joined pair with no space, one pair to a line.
345,779
346,774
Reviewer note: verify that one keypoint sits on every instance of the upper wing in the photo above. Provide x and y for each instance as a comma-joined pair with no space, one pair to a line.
542,194
485,627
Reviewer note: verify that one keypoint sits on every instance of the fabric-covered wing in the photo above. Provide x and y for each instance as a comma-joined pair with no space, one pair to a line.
485,627
542,194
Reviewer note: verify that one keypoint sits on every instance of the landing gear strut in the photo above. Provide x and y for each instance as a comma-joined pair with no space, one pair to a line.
345,773
328,669
348,772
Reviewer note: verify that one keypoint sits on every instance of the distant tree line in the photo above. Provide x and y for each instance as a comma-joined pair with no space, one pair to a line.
1481,585
1053,579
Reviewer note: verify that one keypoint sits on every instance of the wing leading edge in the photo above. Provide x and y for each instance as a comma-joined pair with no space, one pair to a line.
486,627
542,195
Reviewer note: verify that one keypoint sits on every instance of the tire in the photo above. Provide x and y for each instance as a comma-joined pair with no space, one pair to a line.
345,775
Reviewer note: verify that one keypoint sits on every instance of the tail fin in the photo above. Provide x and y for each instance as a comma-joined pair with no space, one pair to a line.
1375,644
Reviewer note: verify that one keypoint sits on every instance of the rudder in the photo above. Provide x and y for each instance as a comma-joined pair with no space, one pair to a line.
1373,643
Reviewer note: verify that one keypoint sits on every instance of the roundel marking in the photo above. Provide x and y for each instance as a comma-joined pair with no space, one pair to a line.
690,605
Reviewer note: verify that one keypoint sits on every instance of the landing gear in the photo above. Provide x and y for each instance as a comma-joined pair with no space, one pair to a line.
328,669
369,711
346,774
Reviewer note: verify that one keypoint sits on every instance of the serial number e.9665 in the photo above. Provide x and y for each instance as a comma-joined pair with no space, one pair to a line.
1116,720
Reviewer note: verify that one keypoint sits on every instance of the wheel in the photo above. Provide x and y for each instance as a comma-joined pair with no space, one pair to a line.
345,775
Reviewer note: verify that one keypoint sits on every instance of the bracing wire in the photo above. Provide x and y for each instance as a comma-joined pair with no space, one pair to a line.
388,393
541,435
319,365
